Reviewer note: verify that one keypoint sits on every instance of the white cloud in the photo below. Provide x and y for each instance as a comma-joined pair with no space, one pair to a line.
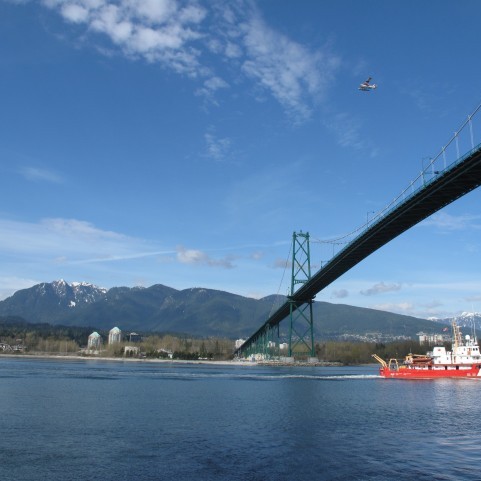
70,241
405,308
217,148
340,294
348,130
286,68
153,11
197,257
257,255
380,288
9,285
232,50
157,30
39,175
75,13
281,264
179,34
448,222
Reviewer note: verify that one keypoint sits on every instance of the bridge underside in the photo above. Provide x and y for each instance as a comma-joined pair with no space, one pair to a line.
448,185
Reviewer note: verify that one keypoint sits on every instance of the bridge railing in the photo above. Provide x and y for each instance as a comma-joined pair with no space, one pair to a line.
437,165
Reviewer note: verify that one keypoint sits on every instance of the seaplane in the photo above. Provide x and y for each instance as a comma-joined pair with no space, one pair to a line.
367,86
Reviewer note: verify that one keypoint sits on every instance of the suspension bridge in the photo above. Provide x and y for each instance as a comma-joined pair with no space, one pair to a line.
438,185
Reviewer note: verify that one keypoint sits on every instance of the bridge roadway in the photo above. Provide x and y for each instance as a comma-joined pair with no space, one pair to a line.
445,187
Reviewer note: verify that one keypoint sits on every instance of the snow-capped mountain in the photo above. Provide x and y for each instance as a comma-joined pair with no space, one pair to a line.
73,294
49,300
465,319
194,311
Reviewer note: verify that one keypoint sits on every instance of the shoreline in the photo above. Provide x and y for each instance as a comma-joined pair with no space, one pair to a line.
75,357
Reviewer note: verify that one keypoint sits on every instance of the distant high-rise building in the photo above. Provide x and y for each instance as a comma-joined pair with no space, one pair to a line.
134,337
115,335
94,341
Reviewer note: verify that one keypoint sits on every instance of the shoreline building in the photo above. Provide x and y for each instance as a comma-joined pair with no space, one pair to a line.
94,341
134,337
432,339
115,335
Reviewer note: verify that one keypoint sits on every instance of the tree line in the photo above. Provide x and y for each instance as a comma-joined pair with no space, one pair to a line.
347,352
48,339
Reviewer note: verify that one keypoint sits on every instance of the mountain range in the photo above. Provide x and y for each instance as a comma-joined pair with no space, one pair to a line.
469,320
196,311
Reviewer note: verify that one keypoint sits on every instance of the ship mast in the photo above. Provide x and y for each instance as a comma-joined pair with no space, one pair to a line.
456,340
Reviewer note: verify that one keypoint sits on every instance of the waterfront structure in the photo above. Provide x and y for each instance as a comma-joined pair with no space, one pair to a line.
115,335
432,339
134,337
131,351
94,341
166,352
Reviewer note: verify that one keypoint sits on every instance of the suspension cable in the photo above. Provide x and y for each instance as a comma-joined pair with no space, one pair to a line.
275,302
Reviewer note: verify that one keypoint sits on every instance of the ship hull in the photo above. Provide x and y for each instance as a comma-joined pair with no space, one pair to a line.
432,372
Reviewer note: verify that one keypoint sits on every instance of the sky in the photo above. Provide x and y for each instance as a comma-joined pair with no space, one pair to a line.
183,143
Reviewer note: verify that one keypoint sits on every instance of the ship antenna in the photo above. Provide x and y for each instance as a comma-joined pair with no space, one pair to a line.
474,323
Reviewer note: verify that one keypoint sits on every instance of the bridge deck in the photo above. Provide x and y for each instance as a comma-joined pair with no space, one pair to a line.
448,185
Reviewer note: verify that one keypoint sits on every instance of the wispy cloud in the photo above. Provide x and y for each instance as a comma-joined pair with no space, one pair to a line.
75,242
257,255
157,31
210,87
217,148
281,264
190,38
405,308
287,69
476,298
70,241
9,285
40,175
381,288
448,222
201,258
348,130
340,294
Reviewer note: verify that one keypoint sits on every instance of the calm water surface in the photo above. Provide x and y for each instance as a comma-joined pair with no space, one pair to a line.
100,420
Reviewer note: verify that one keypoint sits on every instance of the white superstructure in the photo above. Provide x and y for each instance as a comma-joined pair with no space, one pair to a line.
465,351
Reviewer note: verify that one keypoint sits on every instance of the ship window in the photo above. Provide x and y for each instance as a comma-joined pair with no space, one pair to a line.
457,368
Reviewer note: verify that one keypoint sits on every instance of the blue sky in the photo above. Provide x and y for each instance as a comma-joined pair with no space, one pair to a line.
183,142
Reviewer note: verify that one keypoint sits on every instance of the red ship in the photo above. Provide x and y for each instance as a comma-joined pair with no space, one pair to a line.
464,360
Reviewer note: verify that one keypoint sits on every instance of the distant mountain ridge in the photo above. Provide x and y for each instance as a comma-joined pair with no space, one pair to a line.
194,311
465,319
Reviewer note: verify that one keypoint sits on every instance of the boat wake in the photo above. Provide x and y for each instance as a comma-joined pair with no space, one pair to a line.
262,377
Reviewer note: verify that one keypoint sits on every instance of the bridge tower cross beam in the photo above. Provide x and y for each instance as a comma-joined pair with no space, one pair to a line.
301,327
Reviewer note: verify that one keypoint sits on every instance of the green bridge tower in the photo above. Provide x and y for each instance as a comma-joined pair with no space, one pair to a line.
301,332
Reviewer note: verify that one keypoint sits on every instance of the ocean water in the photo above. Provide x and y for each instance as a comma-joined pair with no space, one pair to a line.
101,420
